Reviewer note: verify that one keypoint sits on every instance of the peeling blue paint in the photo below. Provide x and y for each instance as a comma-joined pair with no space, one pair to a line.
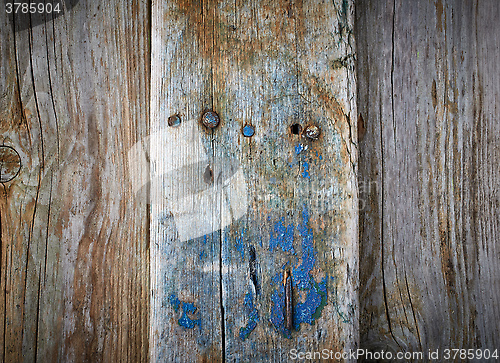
240,245
305,173
310,309
175,302
283,237
202,254
301,273
187,308
253,316
299,148
277,310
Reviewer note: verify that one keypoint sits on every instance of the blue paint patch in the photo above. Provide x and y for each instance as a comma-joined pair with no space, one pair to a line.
253,316
175,302
305,173
202,254
299,148
319,156
310,309
248,130
240,245
277,311
278,278
187,308
283,237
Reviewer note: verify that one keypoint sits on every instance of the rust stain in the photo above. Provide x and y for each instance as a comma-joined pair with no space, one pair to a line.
288,301
439,14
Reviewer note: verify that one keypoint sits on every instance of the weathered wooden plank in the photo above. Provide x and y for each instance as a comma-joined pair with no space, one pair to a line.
73,236
280,64
231,213
429,174
185,258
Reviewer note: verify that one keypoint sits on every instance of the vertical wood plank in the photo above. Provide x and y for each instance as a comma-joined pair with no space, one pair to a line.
429,176
185,244
280,64
74,101
231,213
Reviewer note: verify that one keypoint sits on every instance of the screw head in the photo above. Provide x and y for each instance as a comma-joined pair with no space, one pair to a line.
10,163
210,119
312,132
174,120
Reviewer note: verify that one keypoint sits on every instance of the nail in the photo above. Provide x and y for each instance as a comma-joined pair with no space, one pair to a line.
288,301
210,119
248,131
10,164
174,120
312,132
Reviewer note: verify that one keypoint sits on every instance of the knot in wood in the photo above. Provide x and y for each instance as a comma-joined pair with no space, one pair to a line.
10,163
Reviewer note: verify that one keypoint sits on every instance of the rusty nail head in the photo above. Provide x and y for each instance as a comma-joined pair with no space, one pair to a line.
210,119
10,163
312,132
174,120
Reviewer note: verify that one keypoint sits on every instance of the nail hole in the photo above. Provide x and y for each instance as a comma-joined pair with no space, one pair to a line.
296,129
174,120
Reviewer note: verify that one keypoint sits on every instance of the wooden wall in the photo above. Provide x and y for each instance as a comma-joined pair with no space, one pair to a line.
429,173
75,89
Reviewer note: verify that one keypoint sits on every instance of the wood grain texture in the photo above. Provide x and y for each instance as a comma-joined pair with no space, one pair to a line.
429,177
232,213
185,258
74,100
